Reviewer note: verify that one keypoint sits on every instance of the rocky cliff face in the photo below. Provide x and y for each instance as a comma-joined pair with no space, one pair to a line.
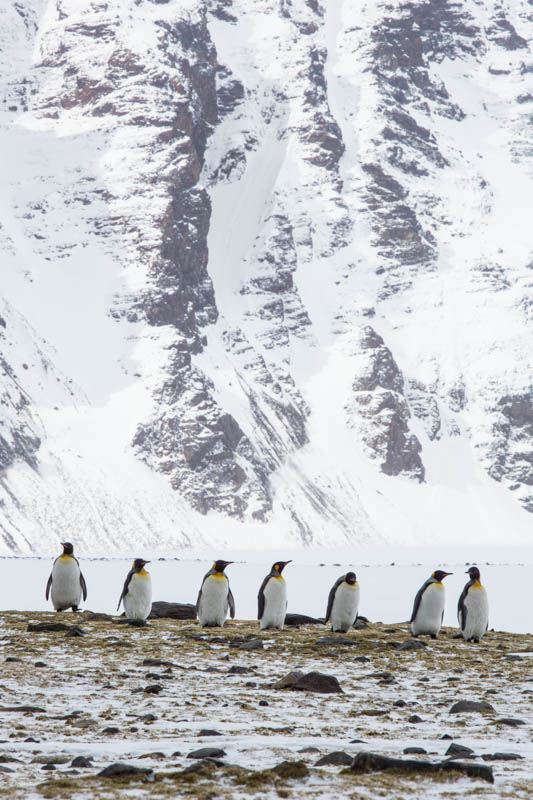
267,271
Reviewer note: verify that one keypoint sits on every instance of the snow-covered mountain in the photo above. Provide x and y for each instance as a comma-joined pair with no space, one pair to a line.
266,272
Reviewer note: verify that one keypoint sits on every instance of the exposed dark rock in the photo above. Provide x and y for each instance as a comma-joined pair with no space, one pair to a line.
208,732
81,761
415,751
310,682
501,757
119,770
509,722
458,750
163,610
333,641
409,644
414,719
466,706
44,627
207,752
301,619
24,709
372,762
338,758
236,669
111,730
76,631
379,412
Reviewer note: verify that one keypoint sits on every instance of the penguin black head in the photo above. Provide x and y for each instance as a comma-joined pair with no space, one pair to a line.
474,573
279,566
350,578
68,549
139,563
220,566
439,575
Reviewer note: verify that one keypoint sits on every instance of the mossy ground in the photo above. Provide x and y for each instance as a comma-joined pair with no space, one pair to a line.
98,681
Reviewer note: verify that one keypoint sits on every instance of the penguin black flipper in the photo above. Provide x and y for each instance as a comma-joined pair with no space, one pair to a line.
461,608
125,588
84,586
261,598
48,586
331,597
418,598
231,603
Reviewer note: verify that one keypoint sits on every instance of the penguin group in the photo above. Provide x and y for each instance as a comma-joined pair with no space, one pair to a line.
66,586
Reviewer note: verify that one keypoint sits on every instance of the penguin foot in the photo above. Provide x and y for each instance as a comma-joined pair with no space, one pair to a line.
75,608
433,635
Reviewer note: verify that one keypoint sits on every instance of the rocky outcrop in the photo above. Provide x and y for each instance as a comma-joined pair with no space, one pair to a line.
378,410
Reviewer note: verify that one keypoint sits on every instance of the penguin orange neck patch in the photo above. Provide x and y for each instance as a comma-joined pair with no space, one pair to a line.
65,557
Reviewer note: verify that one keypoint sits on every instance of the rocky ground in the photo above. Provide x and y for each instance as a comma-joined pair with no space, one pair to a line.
152,697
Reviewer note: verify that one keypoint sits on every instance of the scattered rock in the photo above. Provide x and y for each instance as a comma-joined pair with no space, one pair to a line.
467,706
148,718
309,749
310,682
399,704
373,712
24,709
414,719
458,750
39,664
236,669
111,730
209,732
372,762
81,761
133,623
43,627
409,644
415,751
49,767
153,688
253,644
331,641
164,610
337,758
207,752
119,770
263,703
13,660
501,757
302,619
509,722
156,662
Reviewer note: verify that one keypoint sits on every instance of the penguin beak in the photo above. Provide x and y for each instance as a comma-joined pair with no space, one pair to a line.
447,573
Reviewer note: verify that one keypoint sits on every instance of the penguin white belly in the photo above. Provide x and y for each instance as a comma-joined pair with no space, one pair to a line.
345,607
275,593
66,587
213,605
429,615
477,613
138,601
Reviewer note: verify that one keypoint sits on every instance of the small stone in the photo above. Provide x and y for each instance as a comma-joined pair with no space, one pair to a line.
337,758
399,704
410,644
415,751
207,752
333,641
154,688
81,761
446,736
148,718
209,732
253,644
236,669
414,719
263,703
467,706
39,664
111,730
13,660
119,770
373,712
49,767
501,757
39,627
509,722
309,749
458,750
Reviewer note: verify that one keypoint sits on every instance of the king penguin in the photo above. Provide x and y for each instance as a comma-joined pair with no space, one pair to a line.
473,608
272,598
137,592
343,603
66,581
215,597
428,609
